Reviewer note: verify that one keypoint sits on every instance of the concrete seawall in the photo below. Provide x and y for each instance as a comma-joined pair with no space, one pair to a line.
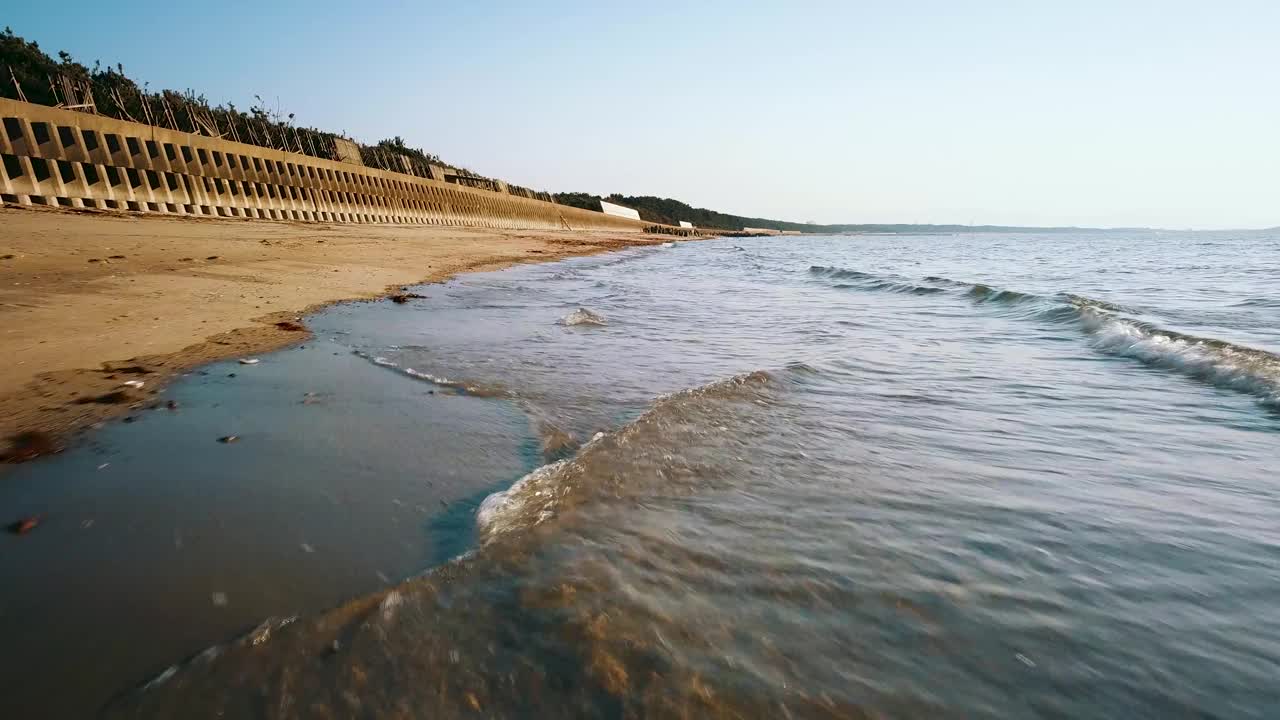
63,158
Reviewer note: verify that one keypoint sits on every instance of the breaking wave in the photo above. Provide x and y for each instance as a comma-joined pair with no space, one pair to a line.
440,642
628,460
460,386
855,279
1110,328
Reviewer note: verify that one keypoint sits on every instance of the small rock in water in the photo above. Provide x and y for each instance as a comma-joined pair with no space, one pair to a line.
219,599
583,316
25,525
228,439
307,548
249,361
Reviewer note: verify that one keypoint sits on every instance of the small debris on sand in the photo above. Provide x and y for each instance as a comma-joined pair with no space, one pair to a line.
115,257
94,260
212,257
249,361
135,384
7,257
291,326
25,525
228,439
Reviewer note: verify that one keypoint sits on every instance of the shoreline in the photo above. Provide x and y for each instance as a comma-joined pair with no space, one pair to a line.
77,282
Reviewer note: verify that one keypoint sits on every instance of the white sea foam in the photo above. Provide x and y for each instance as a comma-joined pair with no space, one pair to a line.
498,512
1218,363
583,316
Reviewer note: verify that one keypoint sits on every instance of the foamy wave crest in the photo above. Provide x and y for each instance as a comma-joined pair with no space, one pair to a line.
1221,364
1111,329
470,388
500,512
640,457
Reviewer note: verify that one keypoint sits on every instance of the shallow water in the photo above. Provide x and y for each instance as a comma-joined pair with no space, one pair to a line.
971,476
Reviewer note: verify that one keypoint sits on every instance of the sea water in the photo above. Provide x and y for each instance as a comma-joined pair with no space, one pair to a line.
1009,475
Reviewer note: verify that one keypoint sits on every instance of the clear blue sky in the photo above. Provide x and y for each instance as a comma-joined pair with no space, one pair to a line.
1072,112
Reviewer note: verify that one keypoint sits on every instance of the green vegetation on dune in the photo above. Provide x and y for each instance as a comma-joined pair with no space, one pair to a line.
28,73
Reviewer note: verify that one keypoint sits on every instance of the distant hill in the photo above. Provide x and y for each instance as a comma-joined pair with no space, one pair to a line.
671,212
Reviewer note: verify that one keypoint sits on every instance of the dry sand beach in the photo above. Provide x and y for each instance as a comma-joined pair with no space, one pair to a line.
91,301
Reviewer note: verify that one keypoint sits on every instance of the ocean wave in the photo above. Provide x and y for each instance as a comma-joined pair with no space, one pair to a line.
856,279
442,625
627,460
986,294
1111,329
1266,302
1216,362
459,386
840,273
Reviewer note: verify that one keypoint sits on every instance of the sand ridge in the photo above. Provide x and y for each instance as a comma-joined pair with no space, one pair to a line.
92,301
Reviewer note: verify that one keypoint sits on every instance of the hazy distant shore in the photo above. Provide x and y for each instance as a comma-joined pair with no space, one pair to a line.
96,304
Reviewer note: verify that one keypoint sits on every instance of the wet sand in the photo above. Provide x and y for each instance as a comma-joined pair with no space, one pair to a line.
90,301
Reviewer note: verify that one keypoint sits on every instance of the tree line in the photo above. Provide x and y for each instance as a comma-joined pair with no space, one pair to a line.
30,74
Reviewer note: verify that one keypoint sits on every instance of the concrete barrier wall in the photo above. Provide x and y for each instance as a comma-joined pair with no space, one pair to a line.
71,159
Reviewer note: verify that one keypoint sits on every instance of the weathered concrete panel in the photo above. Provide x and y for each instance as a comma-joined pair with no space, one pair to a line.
70,159
348,152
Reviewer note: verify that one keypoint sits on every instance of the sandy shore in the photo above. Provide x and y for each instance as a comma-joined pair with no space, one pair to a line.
91,301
